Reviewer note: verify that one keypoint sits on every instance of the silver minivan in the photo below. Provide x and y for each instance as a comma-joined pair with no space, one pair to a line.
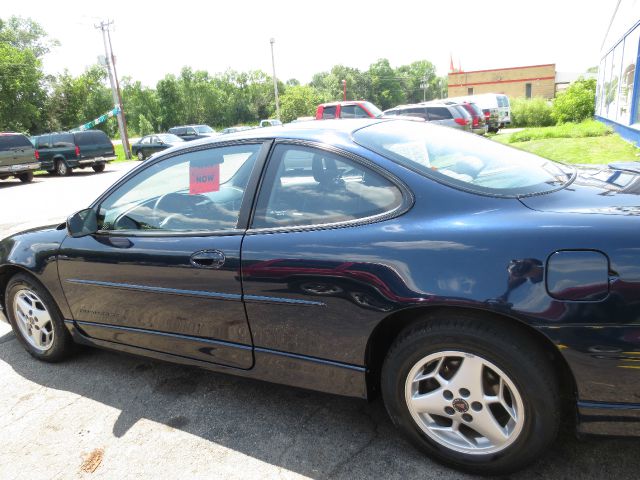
447,115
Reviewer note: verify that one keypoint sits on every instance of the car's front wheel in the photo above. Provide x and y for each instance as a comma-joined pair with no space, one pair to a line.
34,317
475,394
140,155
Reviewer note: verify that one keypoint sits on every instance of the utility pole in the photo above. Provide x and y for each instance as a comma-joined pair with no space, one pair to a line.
275,82
115,87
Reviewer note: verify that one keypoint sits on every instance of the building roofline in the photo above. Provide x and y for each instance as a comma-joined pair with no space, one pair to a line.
507,68
515,80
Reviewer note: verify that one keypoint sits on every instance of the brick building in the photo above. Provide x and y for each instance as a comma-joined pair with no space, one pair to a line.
528,82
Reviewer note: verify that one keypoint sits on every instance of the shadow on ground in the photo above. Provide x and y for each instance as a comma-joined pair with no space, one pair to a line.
314,434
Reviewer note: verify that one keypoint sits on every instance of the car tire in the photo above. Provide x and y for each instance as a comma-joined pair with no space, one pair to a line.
26,177
140,155
62,169
430,381
98,168
36,320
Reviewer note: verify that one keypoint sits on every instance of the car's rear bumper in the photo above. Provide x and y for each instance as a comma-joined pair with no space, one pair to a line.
22,167
91,161
617,419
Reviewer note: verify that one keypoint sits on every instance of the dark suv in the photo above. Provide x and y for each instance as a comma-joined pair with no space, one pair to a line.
17,157
60,153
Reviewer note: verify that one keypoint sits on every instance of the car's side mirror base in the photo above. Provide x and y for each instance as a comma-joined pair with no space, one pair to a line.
82,223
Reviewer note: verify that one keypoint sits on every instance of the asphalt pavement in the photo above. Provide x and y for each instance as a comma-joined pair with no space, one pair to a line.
107,415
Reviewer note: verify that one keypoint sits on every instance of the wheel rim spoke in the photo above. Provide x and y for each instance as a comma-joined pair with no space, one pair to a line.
432,402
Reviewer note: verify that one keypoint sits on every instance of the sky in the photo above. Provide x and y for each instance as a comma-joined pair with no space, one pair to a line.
151,39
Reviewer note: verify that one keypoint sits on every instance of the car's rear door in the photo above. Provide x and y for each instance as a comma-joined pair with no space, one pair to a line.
311,288
163,271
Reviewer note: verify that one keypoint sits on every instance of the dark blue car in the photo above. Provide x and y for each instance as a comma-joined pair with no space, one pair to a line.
490,296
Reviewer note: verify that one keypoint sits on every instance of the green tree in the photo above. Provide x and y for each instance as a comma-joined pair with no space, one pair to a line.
140,101
414,76
144,125
576,103
386,85
299,101
22,83
171,106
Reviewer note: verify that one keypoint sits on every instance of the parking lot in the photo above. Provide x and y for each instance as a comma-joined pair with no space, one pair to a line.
107,415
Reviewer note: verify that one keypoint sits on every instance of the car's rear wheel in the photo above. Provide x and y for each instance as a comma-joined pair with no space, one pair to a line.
35,318
98,168
26,177
474,394
140,155
62,169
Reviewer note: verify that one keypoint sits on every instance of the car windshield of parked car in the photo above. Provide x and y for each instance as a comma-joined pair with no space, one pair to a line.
170,138
373,110
464,160
204,129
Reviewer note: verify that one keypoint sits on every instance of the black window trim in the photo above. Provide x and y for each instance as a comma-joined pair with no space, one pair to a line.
407,202
247,200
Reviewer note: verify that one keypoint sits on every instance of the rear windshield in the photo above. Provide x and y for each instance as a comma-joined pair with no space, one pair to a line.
14,141
464,160
503,101
204,129
96,137
373,110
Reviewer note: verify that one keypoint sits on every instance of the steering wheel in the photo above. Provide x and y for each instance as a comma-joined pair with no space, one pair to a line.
173,205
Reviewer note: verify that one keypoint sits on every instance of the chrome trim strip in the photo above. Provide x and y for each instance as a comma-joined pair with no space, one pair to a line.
306,358
196,293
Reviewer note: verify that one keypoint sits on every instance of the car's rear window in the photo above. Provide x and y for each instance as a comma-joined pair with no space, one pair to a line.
62,140
464,160
14,141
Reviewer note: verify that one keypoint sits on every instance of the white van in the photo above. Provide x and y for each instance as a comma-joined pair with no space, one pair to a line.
491,102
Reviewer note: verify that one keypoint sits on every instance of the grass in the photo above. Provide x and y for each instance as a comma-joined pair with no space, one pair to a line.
576,149
588,128
120,154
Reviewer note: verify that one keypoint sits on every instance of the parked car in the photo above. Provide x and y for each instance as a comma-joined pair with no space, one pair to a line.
17,157
193,132
496,107
358,256
270,122
478,121
150,144
435,112
350,109
239,128
60,153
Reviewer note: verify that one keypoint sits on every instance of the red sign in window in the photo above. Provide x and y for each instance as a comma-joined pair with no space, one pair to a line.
204,179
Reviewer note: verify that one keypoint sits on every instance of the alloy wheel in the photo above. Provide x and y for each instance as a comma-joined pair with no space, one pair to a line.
464,402
33,319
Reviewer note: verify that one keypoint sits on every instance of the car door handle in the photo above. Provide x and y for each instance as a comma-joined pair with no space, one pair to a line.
208,259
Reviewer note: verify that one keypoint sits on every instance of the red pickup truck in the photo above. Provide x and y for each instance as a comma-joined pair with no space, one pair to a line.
352,109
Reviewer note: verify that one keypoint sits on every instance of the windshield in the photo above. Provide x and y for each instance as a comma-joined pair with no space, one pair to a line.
204,129
375,111
462,159
169,138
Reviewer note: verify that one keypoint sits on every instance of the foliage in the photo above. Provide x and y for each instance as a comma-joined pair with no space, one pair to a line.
576,103
22,92
144,126
74,101
588,128
298,101
584,150
534,112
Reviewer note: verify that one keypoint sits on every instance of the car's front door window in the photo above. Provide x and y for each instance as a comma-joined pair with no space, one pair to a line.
195,191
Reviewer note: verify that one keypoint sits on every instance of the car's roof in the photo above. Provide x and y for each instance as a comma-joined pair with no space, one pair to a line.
345,102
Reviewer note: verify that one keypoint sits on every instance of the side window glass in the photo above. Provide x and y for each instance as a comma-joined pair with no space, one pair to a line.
44,141
329,112
347,111
196,191
191,131
359,112
145,140
308,186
